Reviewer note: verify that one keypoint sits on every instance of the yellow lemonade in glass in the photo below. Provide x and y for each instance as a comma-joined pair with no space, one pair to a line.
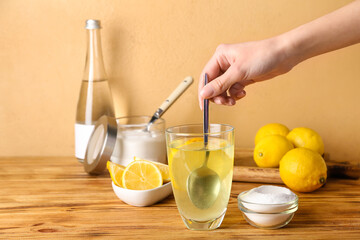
186,154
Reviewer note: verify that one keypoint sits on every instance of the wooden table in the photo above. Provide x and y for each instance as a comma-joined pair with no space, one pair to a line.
52,198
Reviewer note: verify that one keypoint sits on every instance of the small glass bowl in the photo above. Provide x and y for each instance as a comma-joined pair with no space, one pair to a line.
267,216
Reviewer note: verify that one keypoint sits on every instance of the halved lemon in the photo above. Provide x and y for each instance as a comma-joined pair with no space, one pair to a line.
141,175
116,172
164,169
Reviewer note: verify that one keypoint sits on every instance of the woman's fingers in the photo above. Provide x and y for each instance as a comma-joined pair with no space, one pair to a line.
215,67
221,84
237,91
221,100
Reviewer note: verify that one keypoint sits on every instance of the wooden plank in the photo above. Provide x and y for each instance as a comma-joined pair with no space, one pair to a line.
256,174
245,169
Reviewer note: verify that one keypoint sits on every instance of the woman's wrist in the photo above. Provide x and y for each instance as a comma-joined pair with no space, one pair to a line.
286,50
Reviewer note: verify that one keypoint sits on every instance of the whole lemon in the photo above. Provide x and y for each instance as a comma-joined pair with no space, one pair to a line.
303,170
307,138
271,129
269,151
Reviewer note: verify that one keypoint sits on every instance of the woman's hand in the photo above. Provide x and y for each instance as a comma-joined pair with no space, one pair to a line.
234,66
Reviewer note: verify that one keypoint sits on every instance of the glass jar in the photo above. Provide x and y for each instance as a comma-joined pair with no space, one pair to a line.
133,140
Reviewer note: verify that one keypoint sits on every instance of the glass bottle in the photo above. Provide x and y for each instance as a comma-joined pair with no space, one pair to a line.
95,97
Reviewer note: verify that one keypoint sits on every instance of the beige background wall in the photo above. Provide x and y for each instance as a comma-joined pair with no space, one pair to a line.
149,46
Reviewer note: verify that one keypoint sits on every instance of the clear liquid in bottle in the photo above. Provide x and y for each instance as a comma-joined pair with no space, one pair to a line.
95,98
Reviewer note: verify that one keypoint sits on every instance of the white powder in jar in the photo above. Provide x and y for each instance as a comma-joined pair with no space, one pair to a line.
267,205
138,143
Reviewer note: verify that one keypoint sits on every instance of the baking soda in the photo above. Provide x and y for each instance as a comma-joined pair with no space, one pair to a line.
138,143
269,206
269,195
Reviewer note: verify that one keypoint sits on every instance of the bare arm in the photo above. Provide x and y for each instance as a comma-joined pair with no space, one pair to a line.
333,31
234,66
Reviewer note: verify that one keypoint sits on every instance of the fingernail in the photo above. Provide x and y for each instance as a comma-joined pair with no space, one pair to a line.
217,101
241,94
207,92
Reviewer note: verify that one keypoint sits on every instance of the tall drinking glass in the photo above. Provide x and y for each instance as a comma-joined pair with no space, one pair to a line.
201,175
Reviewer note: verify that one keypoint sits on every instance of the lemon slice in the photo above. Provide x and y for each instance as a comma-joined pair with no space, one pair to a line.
116,172
164,169
141,175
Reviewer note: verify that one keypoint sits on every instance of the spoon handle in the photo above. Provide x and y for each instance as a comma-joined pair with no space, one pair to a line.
171,99
176,94
206,114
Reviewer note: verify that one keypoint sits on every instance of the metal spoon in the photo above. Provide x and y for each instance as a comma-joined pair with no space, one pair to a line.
203,184
170,100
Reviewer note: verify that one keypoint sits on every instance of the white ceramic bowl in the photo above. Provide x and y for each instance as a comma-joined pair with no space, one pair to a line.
142,198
